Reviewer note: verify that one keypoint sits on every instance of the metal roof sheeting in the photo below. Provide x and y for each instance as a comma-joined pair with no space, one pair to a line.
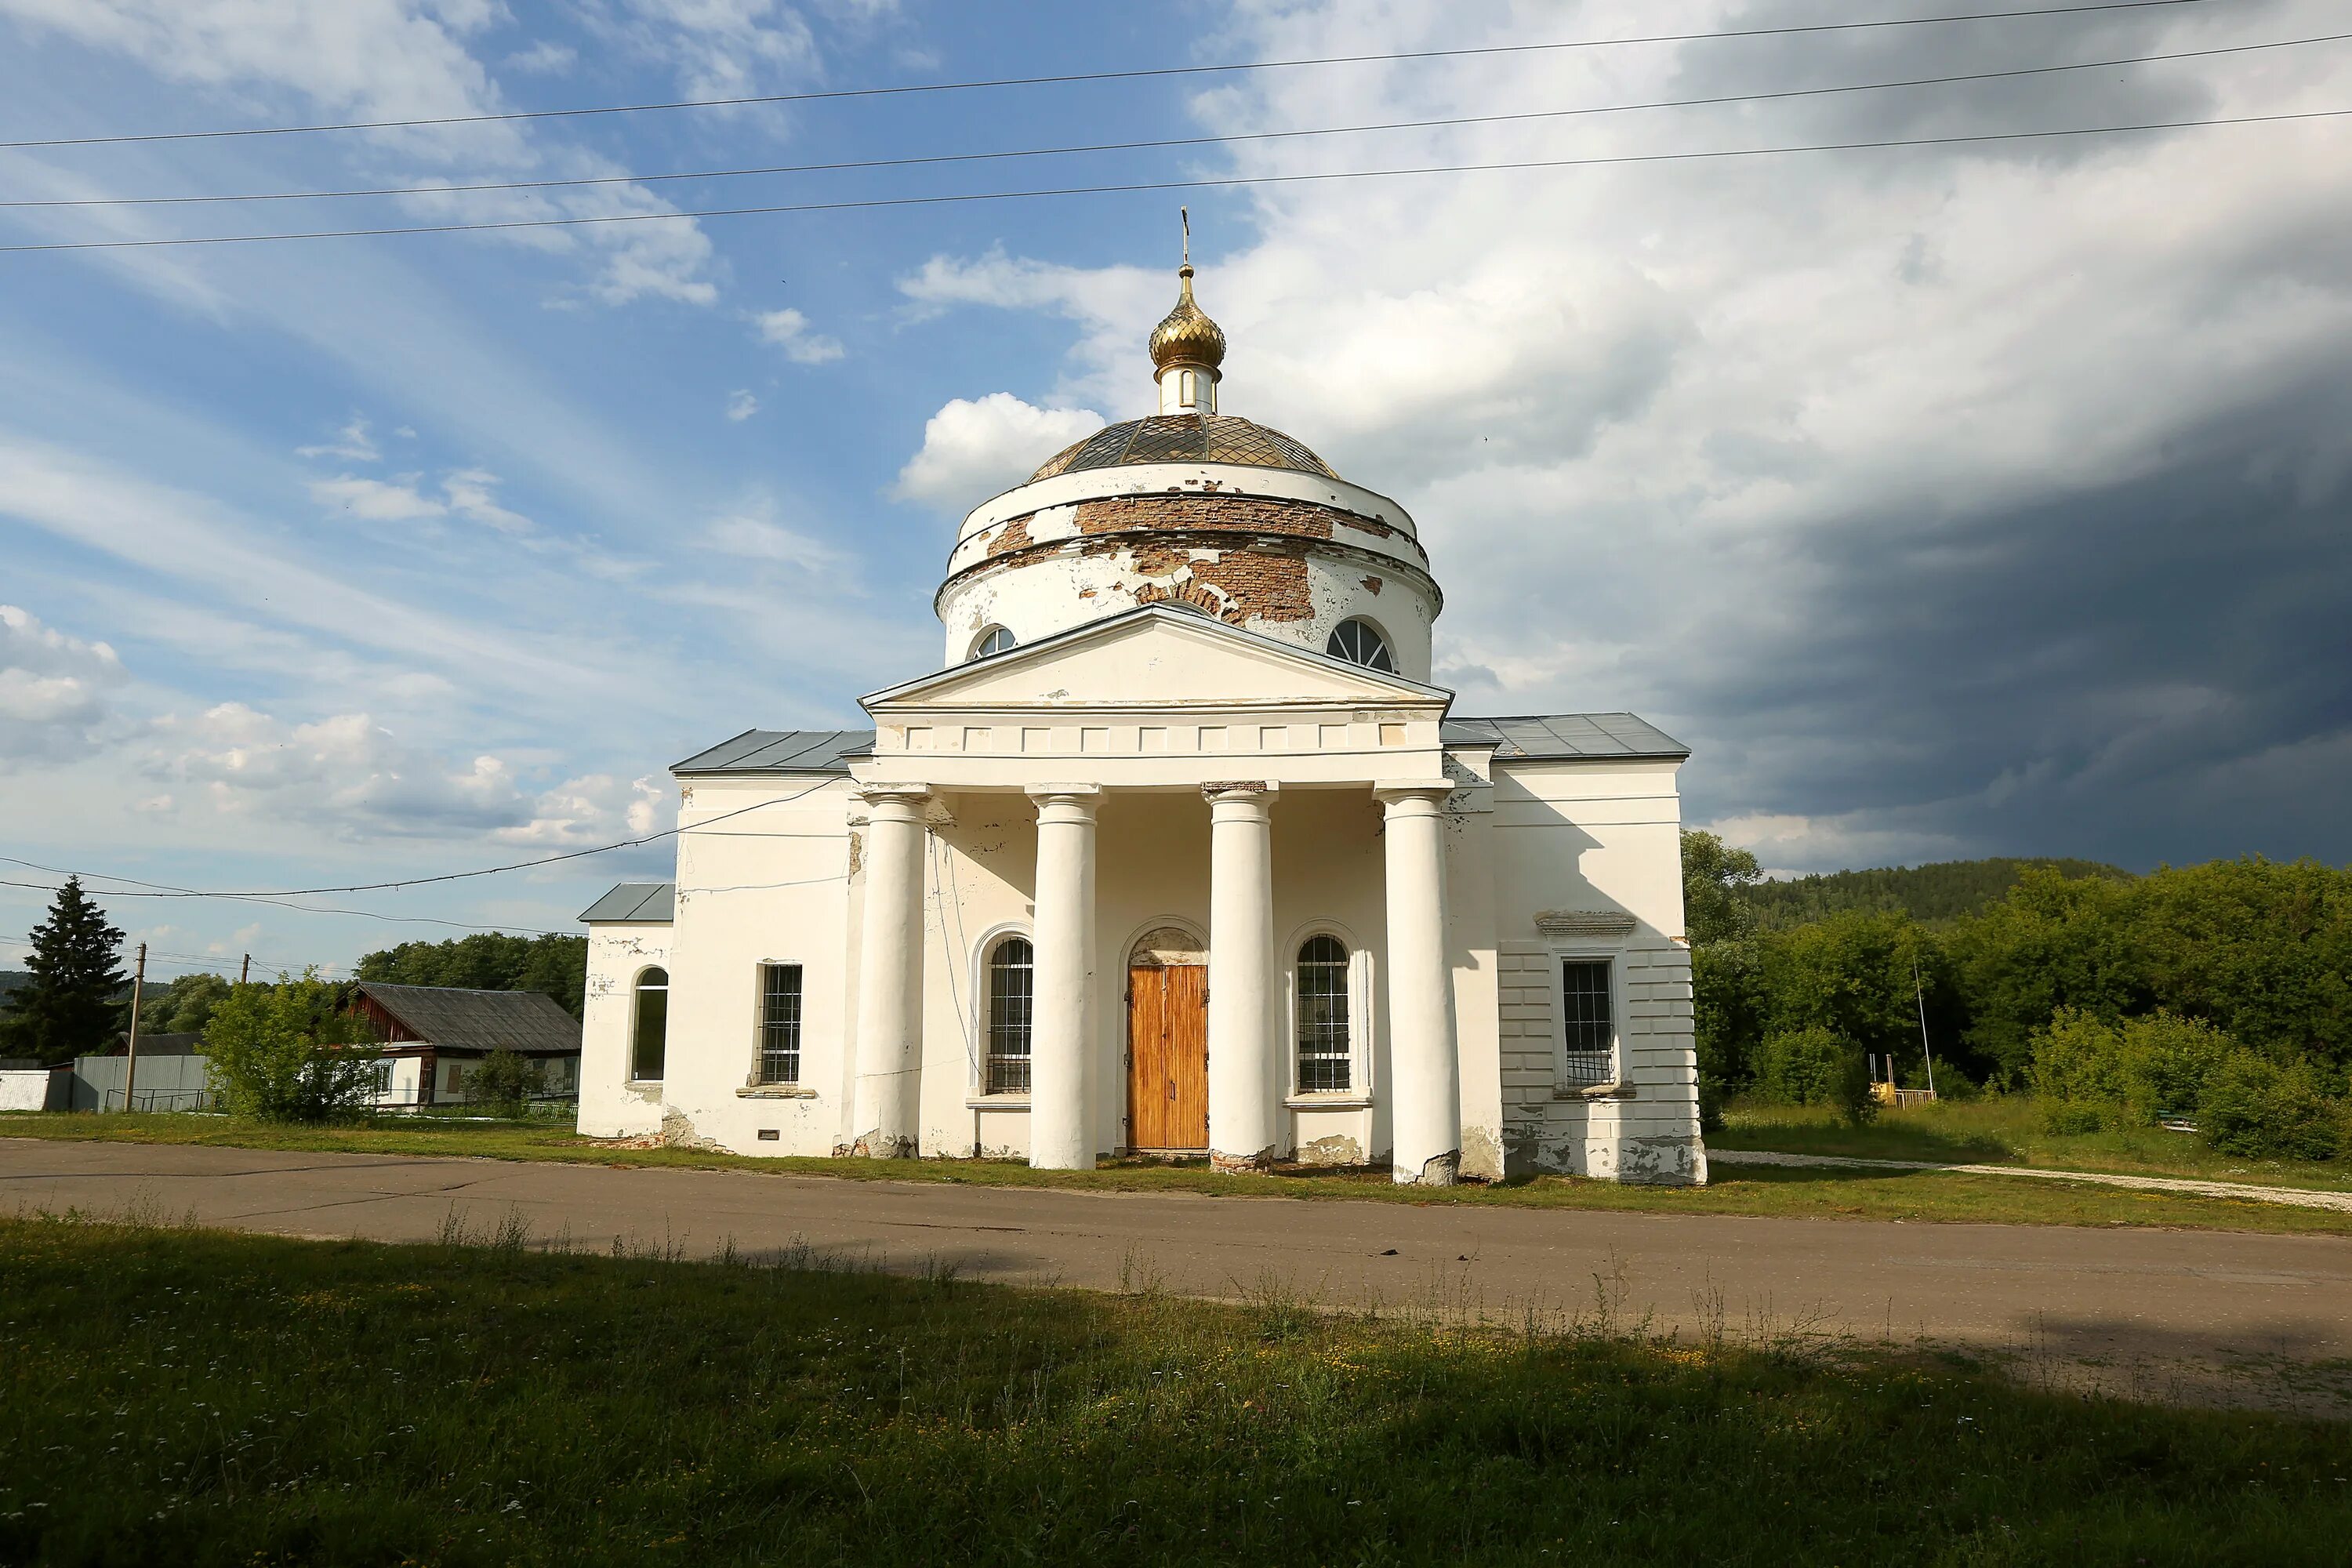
636,901
782,752
1539,737
453,1020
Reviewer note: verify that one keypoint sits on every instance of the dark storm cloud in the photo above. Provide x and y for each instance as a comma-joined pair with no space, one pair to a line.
2157,669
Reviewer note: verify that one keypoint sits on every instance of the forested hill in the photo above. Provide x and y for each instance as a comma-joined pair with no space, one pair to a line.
13,980
1943,891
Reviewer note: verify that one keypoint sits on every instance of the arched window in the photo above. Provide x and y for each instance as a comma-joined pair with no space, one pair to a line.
993,641
1358,643
649,1038
1012,988
1325,1047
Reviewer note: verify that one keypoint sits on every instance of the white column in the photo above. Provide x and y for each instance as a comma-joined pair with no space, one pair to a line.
1062,1023
1424,1061
887,1114
1243,1134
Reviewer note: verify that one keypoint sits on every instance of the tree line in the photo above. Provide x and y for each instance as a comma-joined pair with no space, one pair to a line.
2068,957
74,995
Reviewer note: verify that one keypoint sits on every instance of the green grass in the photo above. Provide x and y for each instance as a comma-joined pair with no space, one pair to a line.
1819,1194
2006,1130
195,1398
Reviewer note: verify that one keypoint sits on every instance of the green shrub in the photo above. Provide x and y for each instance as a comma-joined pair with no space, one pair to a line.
1814,1066
2256,1108
2091,1074
504,1083
289,1053
2077,1072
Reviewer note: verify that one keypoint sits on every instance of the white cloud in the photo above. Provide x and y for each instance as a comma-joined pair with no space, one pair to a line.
788,330
741,404
719,48
469,493
377,500
973,447
52,688
594,809
545,58
351,443
754,535
472,496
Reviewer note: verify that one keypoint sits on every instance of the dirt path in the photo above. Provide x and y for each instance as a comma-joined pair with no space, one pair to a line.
2300,1197
2123,1299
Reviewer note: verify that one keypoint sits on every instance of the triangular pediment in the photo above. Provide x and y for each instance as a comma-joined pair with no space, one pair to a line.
1155,657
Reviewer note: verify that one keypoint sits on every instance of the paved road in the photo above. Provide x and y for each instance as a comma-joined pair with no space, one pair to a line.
2067,1294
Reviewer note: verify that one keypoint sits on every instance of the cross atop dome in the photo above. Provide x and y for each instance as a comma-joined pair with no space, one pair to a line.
1187,347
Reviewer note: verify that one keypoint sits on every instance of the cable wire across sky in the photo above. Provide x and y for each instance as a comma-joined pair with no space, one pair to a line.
1139,73
1215,181
1169,142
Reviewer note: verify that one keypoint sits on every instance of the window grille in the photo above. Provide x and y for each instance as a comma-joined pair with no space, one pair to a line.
1588,1021
1358,643
780,1022
649,1043
1324,1047
1011,990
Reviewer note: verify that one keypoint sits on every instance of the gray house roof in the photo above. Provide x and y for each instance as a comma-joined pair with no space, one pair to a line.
782,752
1540,737
452,1019
651,901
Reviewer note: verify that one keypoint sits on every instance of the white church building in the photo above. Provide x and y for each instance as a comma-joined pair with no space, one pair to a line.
1180,852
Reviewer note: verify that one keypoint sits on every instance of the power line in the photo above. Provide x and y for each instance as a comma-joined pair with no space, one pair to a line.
1161,144
1205,183
167,891
298,909
1072,76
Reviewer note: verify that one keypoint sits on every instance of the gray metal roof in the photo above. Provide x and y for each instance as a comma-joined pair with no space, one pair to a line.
1538,737
635,901
450,1018
782,752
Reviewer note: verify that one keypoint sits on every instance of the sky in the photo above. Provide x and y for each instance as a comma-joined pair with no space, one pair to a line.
1984,498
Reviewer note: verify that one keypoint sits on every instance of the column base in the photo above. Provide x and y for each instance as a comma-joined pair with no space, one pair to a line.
876,1146
1257,1164
1438,1171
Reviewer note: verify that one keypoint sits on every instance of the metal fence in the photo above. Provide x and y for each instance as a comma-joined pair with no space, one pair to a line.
165,1083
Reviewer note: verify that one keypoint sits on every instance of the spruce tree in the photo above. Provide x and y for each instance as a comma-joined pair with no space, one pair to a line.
69,1009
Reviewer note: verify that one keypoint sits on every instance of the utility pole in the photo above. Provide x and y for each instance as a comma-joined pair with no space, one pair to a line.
130,1056
1920,996
245,970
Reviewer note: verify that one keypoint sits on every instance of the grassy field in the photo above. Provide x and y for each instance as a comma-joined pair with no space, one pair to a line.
1825,1193
195,1398
2009,1130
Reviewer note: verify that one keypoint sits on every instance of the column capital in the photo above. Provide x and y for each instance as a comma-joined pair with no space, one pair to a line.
1239,790
911,794
1394,793
1086,794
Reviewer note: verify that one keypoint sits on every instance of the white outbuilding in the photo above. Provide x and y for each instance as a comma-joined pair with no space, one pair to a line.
1180,851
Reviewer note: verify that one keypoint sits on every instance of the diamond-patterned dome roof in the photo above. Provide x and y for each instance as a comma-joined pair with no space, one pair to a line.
1186,439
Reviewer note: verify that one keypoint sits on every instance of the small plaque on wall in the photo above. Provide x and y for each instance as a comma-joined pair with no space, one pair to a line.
1585,922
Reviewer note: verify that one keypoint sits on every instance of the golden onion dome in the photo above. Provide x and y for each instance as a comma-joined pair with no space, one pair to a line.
1186,336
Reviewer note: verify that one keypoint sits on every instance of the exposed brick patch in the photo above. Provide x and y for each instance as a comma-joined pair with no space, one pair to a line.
1237,587
1013,535
1254,514
1372,585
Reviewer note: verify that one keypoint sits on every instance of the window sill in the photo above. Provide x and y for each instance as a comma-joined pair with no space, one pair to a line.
642,1083
1345,1100
774,1091
1594,1091
996,1102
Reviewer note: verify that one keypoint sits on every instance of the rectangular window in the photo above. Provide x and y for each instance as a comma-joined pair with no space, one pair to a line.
1323,1043
456,1079
780,1022
1588,1021
382,1079
1011,992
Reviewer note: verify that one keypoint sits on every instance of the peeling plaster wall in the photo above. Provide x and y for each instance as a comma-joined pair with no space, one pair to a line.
1286,555
617,954
1603,838
1284,589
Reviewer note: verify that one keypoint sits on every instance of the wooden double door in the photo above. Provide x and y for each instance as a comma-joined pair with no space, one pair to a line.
1168,1057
